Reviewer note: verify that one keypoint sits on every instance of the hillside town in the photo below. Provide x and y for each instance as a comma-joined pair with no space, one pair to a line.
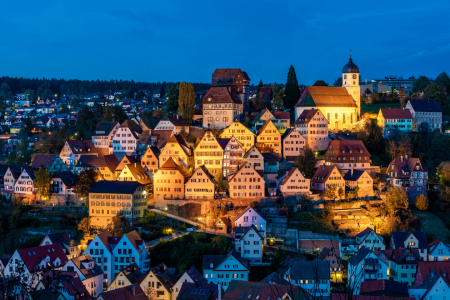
228,190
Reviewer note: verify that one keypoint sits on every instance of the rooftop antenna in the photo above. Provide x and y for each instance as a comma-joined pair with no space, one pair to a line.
350,53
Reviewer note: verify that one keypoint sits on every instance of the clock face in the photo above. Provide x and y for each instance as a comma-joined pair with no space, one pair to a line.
354,76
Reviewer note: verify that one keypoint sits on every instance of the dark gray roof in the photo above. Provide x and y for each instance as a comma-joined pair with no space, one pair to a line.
360,255
400,237
67,177
217,259
275,278
350,67
115,187
425,105
353,175
310,270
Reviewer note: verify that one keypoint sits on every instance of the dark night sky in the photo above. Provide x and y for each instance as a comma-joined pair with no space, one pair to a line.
186,40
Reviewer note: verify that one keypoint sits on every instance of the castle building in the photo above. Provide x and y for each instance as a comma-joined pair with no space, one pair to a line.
340,105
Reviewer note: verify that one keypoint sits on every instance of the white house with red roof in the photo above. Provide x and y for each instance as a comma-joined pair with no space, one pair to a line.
30,263
113,254
438,251
90,274
370,239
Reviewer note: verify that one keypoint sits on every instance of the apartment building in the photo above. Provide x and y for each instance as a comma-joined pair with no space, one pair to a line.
410,240
177,149
233,156
313,126
221,107
244,135
113,254
293,182
169,181
249,244
210,153
402,264
425,111
293,144
347,155
269,139
126,139
24,185
438,251
201,185
246,183
109,198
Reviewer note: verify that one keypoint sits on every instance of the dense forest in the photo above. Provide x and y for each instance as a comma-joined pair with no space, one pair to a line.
44,87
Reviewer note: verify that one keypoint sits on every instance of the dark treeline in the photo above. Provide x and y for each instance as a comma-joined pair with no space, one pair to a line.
44,87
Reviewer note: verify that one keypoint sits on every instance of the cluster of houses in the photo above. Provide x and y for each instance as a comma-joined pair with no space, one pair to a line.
119,267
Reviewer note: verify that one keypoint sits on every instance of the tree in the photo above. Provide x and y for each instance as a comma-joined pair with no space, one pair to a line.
372,137
338,82
119,225
421,202
400,147
260,85
396,201
330,192
172,100
320,83
162,92
443,171
341,193
29,94
374,98
356,192
28,126
85,123
420,85
186,101
42,183
85,225
367,91
444,81
436,92
85,181
292,91
306,162
140,95
278,97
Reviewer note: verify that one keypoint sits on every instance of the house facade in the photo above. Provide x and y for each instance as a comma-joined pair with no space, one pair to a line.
293,144
327,177
201,185
210,153
244,135
90,274
370,239
250,217
250,245
409,174
293,182
438,251
313,276
280,119
233,156
394,119
149,159
347,154
177,149
313,126
222,269
269,139
246,183
174,123
221,107
72,151
103,136
359,181
425,111
126,139
169,181
255,159
410,240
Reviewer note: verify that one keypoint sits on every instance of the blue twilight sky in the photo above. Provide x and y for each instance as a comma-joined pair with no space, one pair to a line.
186,40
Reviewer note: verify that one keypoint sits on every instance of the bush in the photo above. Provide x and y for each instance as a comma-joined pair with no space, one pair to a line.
421,202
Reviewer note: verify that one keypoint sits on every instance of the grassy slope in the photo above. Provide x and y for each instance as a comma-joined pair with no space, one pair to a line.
433,225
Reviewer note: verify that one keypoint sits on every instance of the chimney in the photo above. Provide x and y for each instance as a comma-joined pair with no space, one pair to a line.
178,117
375,229
401,158
352,172
133,290
324,166
406,156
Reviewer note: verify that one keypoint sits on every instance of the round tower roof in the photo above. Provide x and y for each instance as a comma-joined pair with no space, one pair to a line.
350,67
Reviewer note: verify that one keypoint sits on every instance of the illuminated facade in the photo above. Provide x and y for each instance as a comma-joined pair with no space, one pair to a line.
246,183
220,108
327,177
254,158
236,81
150,159
126,139
134,172
109,198
269,138
168,182
280,119
394,119
350,80
313,126
210,153
177,149
201,185
360,179
347,155
233,156
241,133
293,182
293,143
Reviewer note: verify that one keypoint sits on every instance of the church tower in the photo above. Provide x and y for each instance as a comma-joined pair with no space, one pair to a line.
350,80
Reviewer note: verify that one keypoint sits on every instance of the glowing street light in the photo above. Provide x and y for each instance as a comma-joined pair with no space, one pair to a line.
166,208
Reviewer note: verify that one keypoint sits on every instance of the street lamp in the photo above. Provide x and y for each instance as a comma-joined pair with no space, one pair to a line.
166,208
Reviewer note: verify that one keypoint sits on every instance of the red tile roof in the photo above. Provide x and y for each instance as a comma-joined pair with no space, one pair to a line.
34,256
424,269
326,96
220,95
347,148
396,113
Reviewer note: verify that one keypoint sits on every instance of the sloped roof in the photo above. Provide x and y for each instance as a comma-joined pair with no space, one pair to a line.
134,127
323,172
396,113
259,290
271,157
43,160
104,128
176,138
400,237
226,221
139,173
223,142
370,286
216,260
195,291
353,175
175,120
109,161
359,256
207,173
30,171
228,73
275,278
326,96
115,187
85,258
425,105
171,164
310,270
82,146
150,122
347,148
440,267
220,95
35,255
127,159
133,273
196,275
281,115
288,175
403,164
133,291
364,232
161,137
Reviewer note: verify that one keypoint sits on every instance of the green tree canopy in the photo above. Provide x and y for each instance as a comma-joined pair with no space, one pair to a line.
42,183
444,81
306,162
172,100
436,92
186,101
292,91
85,180
396,201
320,83
278,97
420,85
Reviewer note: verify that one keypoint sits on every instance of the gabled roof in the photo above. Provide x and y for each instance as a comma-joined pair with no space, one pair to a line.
399,237
127,159
364,232
406,164
347,148
245,230
220,95
266,123
225,220
205,171
115,187
310,270
132,273
216,260
171,164
196,291
226,73
251,150
433,245
223,142
326,96
86,258
134,127
138,173
288,132
440,267
30,171
150,122
247,209
43,160
420,105
196,276
396,113
62,239
34,256
104,128
133,291
323,172
281,115
359,256
176,138
275,278
108,161
250,290
354,175
271,157
288,175
175,120
389,286
82,146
